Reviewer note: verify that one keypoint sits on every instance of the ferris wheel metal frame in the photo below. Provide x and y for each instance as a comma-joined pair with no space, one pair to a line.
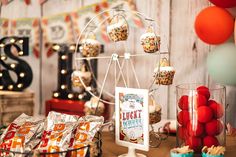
114,57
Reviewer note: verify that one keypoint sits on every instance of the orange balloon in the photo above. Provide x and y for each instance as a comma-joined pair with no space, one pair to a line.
214,25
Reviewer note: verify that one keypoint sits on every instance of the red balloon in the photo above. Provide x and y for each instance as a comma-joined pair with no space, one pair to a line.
214,25
224,3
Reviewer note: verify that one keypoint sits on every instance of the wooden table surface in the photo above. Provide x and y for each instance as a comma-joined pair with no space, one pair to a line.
110,149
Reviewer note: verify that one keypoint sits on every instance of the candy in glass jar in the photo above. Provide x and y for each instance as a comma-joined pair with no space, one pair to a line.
200,116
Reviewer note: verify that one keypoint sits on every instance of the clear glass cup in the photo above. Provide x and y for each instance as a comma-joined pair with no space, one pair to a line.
200,115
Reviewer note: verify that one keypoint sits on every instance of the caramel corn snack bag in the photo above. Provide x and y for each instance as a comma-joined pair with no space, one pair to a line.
87,127
57,133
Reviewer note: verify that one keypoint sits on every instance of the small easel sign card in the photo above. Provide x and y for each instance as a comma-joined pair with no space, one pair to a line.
132,120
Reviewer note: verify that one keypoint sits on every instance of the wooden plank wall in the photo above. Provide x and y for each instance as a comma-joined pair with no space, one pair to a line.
17,9
174,23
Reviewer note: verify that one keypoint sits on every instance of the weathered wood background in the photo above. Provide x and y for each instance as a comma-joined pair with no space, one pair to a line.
174,20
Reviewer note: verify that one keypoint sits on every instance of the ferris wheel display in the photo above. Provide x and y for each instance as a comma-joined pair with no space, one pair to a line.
118,30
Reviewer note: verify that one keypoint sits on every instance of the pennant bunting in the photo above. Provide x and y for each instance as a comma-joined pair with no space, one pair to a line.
4,26
42,1
81,17
29,27
27,2
67,27
4,2
57,29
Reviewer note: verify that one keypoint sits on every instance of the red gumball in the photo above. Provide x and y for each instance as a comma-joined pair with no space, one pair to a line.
224,3
183,117
214,25
201,100
218,109
203,90
195,129
204,114
214,127
183,102
210,141
195,143
182,133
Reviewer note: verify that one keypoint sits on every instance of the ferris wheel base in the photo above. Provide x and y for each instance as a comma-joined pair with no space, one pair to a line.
132,153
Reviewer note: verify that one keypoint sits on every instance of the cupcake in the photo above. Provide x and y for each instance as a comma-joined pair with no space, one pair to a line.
165,75
154,111
90,47
213,151
85,75
118,29
184,151
91,105
149,41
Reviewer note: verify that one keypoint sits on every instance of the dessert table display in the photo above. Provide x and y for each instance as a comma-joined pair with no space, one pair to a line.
77,131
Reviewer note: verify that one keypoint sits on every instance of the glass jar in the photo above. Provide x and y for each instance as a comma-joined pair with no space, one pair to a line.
200,116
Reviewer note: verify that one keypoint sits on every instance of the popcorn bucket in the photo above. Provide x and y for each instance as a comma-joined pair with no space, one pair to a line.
118,28
213,151
154,111
208,155
184,151
94,107
149,41
85,76
165,75
181,155
90,47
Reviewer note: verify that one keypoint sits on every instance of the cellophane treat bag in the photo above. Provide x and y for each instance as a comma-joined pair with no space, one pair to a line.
84,133
57,133
19,135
